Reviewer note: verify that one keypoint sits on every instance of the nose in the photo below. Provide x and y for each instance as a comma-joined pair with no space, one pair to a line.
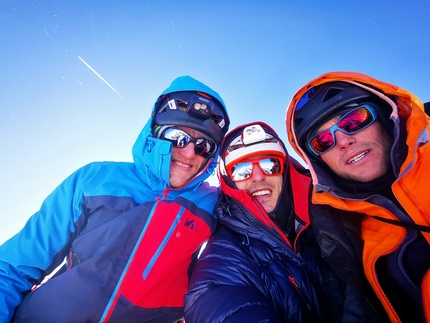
257,174
188,151
343,140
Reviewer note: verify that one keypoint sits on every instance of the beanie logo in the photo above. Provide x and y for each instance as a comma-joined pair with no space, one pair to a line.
172,104
222,123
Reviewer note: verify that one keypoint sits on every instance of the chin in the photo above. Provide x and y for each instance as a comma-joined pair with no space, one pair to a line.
268,210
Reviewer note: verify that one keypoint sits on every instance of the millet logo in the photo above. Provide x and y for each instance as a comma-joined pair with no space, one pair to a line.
192,224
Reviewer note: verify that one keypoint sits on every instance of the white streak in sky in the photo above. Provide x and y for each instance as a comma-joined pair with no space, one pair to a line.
48,35
106,82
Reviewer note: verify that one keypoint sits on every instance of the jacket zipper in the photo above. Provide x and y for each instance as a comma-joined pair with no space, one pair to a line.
163,244
382,292
112,302
296,286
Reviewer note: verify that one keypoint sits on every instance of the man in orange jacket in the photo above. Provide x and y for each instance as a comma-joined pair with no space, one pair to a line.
366,143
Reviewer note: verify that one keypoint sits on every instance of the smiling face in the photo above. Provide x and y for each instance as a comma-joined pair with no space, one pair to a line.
363,156
185,164
266,189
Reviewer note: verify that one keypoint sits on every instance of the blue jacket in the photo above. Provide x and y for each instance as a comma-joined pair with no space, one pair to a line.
129,239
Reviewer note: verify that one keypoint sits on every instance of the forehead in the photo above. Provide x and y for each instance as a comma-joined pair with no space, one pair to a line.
327,123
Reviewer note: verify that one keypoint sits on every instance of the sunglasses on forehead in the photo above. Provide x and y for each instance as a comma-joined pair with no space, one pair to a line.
180,139
350,123
243,170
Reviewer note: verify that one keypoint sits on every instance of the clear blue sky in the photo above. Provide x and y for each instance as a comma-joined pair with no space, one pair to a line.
57,115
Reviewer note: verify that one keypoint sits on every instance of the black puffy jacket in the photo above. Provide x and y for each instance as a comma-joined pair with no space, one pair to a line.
351,298
249,272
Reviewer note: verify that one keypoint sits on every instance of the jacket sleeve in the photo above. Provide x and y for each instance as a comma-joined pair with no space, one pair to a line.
41,245
225,286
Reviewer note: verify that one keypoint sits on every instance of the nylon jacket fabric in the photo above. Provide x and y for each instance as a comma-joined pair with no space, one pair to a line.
410,187
129,239
248,271
427,107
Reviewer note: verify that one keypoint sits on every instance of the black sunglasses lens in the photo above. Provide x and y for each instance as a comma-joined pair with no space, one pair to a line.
271,166
241,171
177,137
204,147
180,139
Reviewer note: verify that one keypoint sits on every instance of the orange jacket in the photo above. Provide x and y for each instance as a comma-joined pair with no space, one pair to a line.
411,187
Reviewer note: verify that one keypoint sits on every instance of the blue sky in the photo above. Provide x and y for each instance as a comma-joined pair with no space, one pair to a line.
57,115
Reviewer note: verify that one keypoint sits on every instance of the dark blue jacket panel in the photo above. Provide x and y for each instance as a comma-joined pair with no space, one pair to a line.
251,276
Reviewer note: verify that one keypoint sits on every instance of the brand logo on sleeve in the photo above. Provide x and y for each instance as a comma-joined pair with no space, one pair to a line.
192,224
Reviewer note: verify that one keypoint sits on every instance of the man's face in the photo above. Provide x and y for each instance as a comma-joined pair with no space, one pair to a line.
185,163
363,156
266,189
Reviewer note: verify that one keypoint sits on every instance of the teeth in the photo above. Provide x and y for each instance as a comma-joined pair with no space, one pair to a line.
260,193
357,158
182,165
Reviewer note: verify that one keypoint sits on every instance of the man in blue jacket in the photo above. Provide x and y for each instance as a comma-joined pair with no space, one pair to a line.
259,266
128,231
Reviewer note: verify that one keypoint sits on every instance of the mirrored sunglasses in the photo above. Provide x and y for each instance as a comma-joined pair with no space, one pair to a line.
350,123
241,171
180,139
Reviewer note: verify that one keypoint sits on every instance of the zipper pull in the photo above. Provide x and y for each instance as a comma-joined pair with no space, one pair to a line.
296,286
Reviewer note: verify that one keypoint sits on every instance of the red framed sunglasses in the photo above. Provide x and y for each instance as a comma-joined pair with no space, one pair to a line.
271,166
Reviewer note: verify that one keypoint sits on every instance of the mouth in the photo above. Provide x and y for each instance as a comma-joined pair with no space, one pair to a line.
261,193
358,157
180,164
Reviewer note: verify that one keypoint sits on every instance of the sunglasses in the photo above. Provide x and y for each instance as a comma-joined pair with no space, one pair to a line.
352,122
180,139
241,171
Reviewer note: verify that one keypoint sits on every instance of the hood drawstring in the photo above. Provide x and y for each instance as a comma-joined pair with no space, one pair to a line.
150,144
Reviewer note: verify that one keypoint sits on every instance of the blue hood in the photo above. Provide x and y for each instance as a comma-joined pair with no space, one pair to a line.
152,156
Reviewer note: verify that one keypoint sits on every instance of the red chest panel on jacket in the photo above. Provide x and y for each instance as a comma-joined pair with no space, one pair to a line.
157,273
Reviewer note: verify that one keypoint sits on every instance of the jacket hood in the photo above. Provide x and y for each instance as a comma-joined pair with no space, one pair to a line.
399,101
243,196
227,184
152,156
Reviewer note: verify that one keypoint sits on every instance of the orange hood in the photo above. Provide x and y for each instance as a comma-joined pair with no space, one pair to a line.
406,103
